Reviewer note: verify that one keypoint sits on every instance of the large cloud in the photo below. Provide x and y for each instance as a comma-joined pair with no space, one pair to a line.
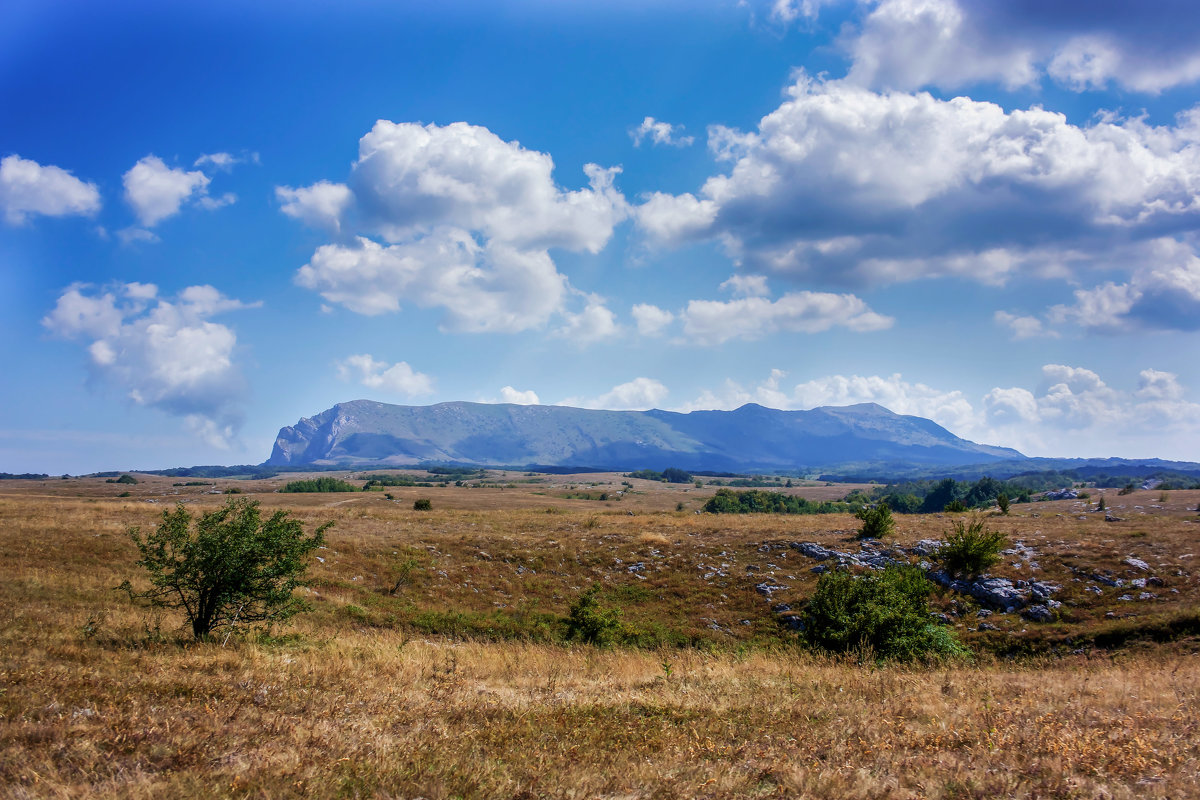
908,44
493,288
468,220
847,185
27,187
165,353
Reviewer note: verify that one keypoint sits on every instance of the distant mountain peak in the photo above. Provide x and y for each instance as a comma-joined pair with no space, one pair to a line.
750,438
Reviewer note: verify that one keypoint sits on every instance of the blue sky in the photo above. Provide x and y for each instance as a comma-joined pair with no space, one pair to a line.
215,220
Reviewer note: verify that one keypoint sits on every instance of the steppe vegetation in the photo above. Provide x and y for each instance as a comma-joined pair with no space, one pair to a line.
440,658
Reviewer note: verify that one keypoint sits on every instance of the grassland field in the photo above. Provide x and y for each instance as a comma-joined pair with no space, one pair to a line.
432,664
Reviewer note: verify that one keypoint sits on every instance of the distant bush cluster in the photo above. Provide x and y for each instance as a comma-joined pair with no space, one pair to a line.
756,501
949,495
668,475
319,485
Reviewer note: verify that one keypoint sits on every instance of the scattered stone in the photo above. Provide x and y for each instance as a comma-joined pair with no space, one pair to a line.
767,588
1094,589
987,626
1140,583
1137,563
1125,597
820,569
638,567
1147,596
781,608
1043,590
983,613
1038,613
926,547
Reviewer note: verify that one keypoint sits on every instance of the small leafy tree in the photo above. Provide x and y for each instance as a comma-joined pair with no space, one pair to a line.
971,548
886,613
233,567
588,621
876,522
1002,501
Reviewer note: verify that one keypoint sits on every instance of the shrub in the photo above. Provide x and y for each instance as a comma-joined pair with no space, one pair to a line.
955,507
1002,501
589,622
319,485
876,522
1129,489
886,613
970,548
422,504
233,568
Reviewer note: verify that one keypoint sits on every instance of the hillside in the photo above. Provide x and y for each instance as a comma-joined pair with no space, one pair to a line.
365,433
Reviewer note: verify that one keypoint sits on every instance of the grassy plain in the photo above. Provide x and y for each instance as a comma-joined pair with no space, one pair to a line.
432,663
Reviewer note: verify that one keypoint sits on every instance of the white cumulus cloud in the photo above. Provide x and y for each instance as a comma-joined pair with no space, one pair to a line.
650,319
527,398
639,394
398,378
165,353
493,288
845,185
709,322
467,220
156,191
909,44
27,188
321,205
659,132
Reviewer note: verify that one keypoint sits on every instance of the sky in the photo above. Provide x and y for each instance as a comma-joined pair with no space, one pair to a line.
217,218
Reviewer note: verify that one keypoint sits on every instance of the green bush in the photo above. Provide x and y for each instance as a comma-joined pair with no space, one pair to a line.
589,622
233,568
876,522
886,614
1002,502
319,485
422,504
971,548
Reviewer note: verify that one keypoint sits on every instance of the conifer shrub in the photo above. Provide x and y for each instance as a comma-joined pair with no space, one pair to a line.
876,522
971,548
590,622
884,614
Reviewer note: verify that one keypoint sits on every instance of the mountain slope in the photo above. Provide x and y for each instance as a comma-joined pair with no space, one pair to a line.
365,433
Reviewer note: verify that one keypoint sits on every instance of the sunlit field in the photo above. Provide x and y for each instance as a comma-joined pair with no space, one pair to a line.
432,663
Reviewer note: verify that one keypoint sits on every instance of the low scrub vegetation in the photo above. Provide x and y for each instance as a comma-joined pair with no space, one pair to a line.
323,484
727,501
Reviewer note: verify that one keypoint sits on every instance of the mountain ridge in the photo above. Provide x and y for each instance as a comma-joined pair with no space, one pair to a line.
362,433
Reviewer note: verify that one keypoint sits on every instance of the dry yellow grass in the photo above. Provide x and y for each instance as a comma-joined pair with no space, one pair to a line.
357,702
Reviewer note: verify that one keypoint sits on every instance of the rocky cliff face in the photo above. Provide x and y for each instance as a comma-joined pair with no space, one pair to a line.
363,433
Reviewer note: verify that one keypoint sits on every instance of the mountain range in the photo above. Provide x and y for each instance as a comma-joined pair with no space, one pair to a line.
364,433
